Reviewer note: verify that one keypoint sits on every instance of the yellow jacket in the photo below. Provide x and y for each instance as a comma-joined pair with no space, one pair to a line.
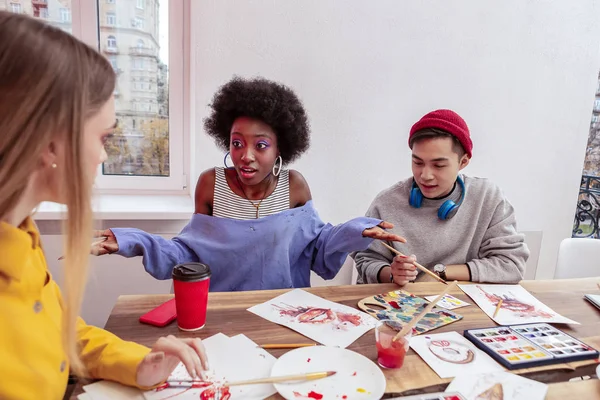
33,363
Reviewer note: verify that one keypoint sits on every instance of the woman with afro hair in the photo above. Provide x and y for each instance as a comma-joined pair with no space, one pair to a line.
254,223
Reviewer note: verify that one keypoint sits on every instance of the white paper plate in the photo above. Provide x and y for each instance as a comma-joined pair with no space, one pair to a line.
357,377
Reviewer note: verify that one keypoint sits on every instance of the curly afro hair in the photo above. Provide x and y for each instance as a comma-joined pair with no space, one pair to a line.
265,100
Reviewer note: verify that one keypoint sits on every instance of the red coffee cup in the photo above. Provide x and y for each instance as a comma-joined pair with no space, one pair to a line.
190,284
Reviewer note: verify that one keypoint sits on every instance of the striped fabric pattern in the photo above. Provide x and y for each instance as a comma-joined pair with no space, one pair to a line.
227,204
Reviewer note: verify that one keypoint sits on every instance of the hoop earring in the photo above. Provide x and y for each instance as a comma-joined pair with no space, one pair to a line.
225,160
278,168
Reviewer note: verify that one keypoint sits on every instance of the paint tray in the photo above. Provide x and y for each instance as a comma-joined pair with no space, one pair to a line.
401,306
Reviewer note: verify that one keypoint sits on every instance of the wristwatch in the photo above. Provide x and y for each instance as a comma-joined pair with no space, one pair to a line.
440,269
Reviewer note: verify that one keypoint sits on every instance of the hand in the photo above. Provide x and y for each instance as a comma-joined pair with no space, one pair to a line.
166,354
107,245
403,269
377,232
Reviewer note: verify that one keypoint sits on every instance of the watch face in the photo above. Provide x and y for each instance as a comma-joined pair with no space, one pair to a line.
439,268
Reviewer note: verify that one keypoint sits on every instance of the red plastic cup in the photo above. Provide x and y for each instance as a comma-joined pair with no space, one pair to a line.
190,284
390,352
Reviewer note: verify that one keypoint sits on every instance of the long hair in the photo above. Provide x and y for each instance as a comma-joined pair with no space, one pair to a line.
50,84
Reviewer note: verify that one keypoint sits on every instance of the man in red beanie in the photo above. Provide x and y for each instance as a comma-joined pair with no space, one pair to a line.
462,227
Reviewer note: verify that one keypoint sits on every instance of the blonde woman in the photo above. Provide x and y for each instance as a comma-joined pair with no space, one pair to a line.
56,112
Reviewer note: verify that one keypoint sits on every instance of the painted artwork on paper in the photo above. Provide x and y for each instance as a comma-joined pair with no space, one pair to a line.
322,320
448,302
498,386
402,307
449,354
231,359
518,305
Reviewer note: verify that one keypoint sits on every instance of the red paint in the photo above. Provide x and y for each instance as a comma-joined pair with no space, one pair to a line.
308,360
314,395
452,397
344,397
354,374
394,304
209,394
393,356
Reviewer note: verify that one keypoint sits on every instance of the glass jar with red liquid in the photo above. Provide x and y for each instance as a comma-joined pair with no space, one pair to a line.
390,351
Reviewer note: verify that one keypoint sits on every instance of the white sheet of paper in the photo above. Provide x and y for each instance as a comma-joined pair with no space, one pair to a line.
449,354
107,390
324,321
518,305
448,302
231,359
513,387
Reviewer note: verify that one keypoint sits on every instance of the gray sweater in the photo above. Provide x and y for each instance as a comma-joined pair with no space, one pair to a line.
482,234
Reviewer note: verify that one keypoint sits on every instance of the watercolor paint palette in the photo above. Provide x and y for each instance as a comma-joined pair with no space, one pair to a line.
529,345
402,306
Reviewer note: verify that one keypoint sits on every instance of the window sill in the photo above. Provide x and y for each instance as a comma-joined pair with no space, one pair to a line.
128,207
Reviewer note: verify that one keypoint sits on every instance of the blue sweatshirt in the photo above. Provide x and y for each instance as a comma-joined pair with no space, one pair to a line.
273,252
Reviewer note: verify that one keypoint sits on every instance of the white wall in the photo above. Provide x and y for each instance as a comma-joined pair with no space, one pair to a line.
522,73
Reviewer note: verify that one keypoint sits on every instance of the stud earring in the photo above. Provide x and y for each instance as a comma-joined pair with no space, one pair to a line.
54,165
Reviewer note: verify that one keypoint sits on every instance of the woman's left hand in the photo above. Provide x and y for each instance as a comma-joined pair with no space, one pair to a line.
378,232
166,354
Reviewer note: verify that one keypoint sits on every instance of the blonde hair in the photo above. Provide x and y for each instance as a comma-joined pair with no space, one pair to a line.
50,84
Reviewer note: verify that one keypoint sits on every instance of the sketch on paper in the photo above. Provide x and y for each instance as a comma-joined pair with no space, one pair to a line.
322,320
449,354
451,351
518,305
497,386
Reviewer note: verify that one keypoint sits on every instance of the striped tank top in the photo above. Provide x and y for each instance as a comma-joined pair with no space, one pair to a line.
227,204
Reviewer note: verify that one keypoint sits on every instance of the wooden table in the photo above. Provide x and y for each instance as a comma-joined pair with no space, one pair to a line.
227,314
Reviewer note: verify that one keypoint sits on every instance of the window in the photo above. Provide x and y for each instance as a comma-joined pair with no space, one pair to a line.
54,13
113,62
143,148
65,15
138,63
147,152
16,8
111,42
111,19
138,23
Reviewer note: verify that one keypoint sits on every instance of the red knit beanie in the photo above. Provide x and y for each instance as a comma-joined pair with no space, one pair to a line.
449,121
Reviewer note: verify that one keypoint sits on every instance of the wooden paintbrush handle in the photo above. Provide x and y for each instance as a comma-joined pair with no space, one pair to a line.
408,327
287,378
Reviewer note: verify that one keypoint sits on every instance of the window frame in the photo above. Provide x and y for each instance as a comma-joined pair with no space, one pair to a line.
85,25
19,6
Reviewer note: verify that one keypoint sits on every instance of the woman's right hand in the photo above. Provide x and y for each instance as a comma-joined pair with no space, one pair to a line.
107,243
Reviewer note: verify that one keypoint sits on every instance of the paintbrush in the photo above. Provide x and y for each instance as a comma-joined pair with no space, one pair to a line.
408,327
273,379
286,345
416,264
497,308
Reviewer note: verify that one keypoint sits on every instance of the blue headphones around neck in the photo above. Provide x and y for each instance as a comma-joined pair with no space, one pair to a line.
447,210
